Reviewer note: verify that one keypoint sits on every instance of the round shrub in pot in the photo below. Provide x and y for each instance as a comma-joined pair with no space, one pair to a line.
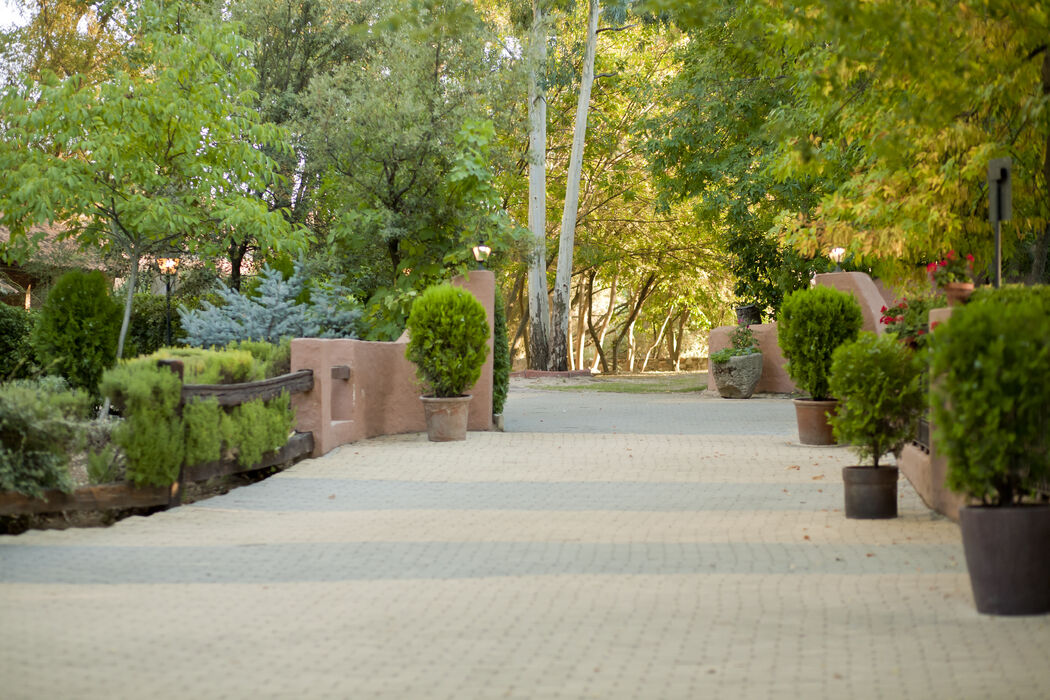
812,323
878,382
990,365
448,342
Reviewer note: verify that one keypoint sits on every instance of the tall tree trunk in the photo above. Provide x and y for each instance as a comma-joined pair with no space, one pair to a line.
237,251
599,354
539,311
567,241
659,339
632,347
129,299
580,320
644,291
675,341
599,339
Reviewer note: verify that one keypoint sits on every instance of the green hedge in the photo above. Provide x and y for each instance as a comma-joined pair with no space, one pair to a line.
158,439
40,422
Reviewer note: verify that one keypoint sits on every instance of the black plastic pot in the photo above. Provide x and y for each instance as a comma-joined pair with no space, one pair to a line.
1006,557
748,315
871,492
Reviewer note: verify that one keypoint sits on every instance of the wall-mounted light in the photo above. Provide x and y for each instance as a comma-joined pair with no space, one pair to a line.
482,253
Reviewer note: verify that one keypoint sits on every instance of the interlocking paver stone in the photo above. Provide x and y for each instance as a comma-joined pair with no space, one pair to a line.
616,546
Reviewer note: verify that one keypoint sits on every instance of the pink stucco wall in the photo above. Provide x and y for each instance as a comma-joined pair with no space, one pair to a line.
863,289
381,395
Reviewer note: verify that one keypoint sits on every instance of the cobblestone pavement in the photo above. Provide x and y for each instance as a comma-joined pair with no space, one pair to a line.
696,552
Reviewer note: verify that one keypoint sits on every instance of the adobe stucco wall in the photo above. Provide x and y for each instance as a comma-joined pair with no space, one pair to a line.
863,289
381,394
927,470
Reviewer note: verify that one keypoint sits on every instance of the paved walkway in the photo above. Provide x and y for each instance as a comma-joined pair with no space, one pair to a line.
676,547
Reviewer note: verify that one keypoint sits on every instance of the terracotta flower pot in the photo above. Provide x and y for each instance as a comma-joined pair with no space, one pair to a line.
957,292
446,417
813,425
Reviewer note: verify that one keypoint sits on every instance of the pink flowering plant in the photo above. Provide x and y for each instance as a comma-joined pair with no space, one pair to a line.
908,319
953,268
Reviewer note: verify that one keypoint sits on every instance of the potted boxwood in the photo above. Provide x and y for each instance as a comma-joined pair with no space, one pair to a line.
812,323
737,369
448,333
878,384
991,368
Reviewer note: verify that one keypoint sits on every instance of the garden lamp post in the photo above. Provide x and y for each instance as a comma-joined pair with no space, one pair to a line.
481,254
168,267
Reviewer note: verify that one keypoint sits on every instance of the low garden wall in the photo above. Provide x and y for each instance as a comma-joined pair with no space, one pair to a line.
363,389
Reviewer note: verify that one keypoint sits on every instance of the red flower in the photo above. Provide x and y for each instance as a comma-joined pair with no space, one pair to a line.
950,255
969,258
883,309
922,331
934,325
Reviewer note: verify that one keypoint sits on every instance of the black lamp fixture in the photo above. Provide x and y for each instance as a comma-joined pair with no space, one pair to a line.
169,267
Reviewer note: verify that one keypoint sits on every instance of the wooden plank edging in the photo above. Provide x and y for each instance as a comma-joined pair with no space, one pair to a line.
96,497
236,394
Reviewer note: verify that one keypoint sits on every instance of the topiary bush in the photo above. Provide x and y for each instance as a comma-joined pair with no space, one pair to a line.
812,323
500,358
76,333
16,355
40,422
878,382
991,363
448,333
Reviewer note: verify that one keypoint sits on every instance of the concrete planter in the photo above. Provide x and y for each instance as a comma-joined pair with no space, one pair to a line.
737,378
446,417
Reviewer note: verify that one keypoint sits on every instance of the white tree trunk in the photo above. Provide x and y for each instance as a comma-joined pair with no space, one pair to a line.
539,311
659,339
567,241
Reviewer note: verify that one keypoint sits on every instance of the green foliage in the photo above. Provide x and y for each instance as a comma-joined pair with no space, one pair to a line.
213,366
742,342
76,333
812,323
16,355
255,428
276,359
147,332
151,434
102,467
878,382
448,330
203,420
39,423
991,362
500,358
158,439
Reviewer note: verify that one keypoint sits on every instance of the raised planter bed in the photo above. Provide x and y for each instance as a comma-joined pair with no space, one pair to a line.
119,496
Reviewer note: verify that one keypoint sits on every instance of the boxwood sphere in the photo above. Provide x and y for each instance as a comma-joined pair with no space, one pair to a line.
448,333
812,323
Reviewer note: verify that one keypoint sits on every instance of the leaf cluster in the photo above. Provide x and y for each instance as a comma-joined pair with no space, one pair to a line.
40,421
878,383
813,322
501,363
448,333
991,364
16,354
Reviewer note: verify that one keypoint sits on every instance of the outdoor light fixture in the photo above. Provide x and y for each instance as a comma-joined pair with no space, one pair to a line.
168,267
482,253
837,255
